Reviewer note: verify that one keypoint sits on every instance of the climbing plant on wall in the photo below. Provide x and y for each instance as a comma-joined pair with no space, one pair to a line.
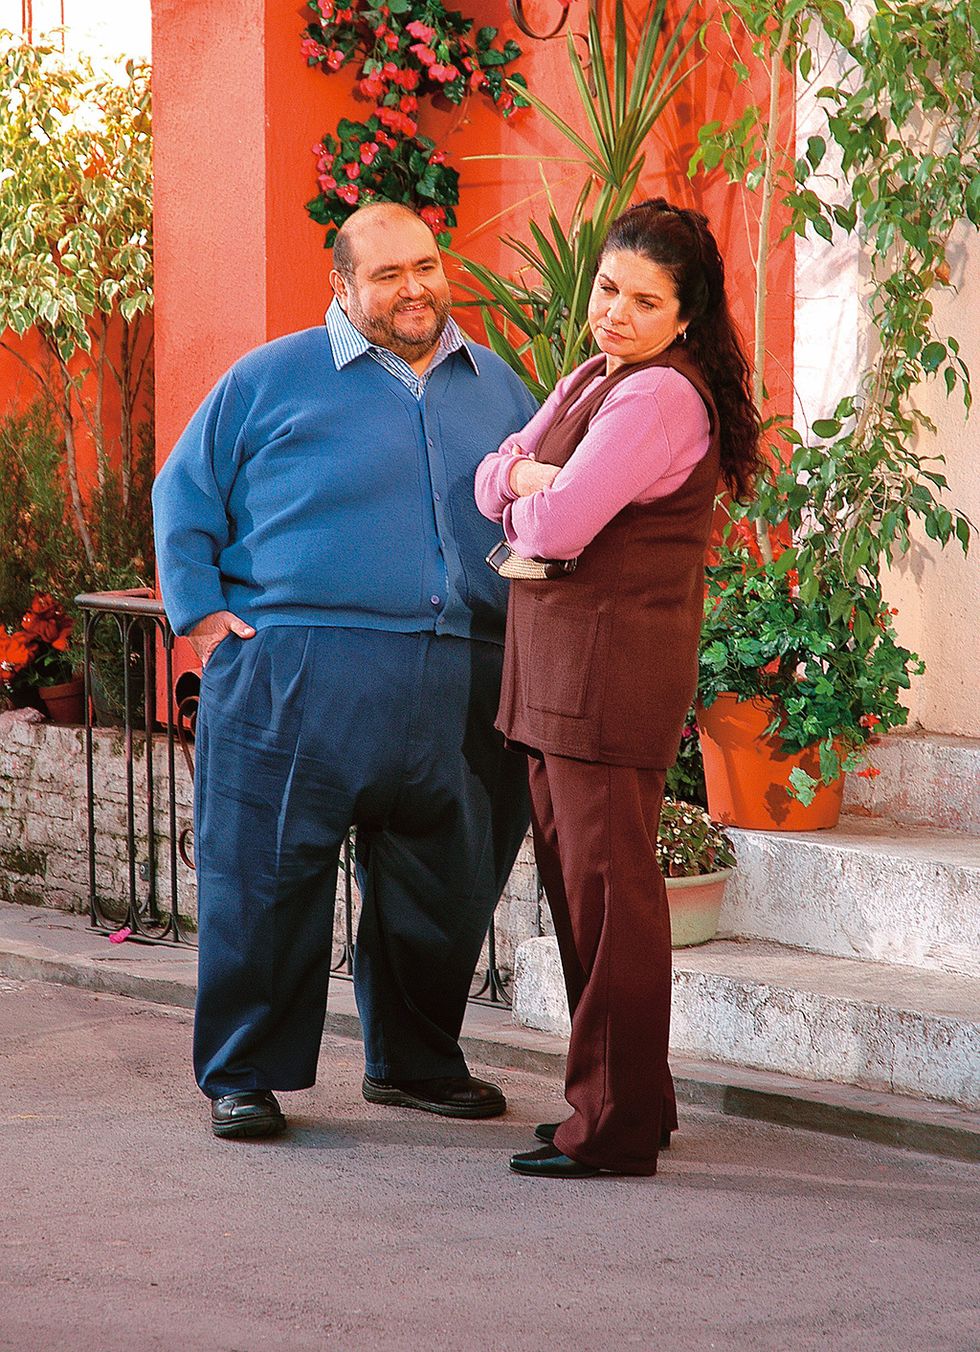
404,52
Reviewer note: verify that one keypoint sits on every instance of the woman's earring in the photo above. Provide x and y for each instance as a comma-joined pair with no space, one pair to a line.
682,335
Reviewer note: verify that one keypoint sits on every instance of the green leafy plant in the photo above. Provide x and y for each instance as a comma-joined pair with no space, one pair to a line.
898,164
832,667
685,778
689,844
538,324
75,255
404,52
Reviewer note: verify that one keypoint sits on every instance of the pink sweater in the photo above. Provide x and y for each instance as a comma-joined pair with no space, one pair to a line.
647,436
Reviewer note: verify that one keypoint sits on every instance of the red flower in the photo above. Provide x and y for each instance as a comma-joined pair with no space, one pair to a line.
424,55
384,139
335,59
438,157
420,30
348,193
326,183
792,577
408,103
444,74
434,217
869,720
869,772
16,651
313,50
397,121
407,78
352,171
506,101
369,152
372,86
391,41
390,70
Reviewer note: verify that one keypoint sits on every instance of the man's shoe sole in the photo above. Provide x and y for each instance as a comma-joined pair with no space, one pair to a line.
259,1126
398,1098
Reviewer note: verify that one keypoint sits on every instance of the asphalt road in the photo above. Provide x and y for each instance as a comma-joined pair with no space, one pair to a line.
125,1225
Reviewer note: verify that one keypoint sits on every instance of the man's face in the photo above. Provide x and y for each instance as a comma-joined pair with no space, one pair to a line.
399,296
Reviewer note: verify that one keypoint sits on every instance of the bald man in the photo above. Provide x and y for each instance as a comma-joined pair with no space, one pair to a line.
319,545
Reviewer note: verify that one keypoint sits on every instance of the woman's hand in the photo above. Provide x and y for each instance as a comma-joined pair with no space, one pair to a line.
527,476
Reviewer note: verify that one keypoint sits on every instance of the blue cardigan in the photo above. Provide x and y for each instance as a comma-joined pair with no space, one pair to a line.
300,494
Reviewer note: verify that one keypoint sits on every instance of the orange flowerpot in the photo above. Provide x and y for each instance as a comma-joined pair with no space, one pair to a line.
65,703
746,772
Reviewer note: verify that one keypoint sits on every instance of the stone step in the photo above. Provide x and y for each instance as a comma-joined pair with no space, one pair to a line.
773,1008
926,780
906,895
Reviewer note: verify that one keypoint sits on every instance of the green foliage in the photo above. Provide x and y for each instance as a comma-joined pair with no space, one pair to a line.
685,778
898,165
831,664
75,257
542,317
35,535
41,552
75,196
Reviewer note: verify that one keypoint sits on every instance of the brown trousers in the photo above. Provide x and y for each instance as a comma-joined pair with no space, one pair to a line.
595,833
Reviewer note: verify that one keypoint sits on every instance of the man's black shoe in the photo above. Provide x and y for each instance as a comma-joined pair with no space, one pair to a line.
449,1096
550,1163
545,1131
250,1112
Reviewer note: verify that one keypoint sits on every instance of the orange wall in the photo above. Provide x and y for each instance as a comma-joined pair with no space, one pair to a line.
19,389
238,260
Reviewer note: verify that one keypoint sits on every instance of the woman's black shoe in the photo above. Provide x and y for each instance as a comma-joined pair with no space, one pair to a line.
545,1131
550,1163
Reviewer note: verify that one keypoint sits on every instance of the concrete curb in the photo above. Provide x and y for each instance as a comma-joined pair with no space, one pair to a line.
76,957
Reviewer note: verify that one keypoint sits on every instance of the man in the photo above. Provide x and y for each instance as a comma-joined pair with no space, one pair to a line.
319,544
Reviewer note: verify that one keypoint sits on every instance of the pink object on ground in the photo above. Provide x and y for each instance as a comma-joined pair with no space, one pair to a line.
121,935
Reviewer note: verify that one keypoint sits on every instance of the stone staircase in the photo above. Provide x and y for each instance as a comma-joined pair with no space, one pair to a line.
850,955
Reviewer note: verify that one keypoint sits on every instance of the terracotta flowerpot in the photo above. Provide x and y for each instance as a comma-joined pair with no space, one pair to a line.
65,703
695,904
747,773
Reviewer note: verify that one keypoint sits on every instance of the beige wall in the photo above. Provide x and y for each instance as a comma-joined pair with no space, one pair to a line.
937,591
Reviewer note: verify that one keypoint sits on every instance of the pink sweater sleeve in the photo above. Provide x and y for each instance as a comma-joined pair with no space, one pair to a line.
648,435
492,486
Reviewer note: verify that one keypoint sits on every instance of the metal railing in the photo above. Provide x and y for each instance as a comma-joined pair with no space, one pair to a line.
142,915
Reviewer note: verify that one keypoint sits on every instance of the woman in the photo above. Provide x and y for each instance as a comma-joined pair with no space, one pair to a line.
618,470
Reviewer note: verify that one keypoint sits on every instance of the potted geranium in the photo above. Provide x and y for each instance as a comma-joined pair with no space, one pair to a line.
37,658
696,859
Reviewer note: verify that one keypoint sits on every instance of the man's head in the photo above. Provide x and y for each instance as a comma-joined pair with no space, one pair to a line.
388,277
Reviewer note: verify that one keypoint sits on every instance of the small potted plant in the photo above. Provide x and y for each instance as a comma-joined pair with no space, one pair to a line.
36,658
696,859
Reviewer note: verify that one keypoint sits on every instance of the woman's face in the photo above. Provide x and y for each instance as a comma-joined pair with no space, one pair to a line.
634,312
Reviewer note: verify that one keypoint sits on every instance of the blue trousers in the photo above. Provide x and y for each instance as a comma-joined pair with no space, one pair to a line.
301,733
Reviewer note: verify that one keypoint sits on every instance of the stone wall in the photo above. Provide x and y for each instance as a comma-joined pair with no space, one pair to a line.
44,825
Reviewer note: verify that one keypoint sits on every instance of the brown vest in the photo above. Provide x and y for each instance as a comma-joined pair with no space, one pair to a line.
602,665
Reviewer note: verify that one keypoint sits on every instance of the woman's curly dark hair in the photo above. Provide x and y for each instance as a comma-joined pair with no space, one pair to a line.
679,241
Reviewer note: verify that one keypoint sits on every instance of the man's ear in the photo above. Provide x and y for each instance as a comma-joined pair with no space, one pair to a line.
339,287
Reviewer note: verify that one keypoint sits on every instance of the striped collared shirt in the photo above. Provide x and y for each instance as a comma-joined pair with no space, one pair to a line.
347,342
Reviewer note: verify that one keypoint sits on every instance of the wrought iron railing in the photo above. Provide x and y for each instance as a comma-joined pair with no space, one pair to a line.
144,634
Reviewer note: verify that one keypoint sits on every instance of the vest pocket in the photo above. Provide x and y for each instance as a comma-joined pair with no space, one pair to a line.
560,654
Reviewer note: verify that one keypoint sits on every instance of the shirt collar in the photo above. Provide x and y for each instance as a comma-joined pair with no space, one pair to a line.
348,342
